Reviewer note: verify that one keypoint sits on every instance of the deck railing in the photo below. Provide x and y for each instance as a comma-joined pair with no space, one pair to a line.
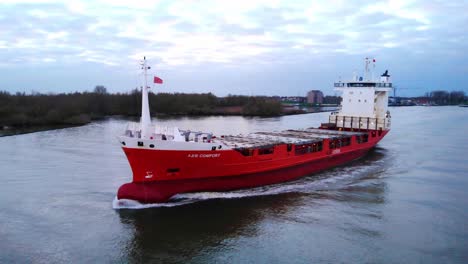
355,122
167,133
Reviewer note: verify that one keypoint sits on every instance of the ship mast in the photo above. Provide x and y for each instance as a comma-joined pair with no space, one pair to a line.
145,113
366,76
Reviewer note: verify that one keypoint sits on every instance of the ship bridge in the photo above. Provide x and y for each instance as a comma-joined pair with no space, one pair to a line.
365,101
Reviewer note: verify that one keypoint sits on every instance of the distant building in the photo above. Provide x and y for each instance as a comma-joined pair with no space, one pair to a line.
315,97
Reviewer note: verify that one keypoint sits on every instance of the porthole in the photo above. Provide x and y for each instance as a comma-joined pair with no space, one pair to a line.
123,143
219,147
151,145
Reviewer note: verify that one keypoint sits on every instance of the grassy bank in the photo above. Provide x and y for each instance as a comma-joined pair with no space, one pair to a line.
36,110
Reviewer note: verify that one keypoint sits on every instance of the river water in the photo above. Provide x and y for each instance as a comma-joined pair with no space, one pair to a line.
405,202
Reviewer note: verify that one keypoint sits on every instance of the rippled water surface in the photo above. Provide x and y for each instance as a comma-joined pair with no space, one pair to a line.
405,202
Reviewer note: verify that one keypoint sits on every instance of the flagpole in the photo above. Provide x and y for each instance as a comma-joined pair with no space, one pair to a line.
145,113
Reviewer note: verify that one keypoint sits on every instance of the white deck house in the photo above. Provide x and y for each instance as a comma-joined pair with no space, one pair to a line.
365,102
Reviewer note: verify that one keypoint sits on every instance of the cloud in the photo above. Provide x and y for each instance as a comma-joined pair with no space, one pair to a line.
190,32
232,34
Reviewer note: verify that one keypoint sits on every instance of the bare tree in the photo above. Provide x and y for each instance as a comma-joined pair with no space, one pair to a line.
100,89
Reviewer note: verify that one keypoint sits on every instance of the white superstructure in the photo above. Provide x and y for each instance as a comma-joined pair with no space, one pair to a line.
365,101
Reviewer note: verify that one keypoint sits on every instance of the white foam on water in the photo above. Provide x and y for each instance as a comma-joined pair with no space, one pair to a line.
330,180
132,204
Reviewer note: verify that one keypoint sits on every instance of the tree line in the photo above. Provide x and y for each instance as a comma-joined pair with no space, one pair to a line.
441,97
79,108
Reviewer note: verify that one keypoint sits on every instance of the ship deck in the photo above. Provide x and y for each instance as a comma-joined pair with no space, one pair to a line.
296,137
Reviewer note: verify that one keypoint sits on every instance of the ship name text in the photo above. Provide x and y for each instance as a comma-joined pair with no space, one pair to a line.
204,155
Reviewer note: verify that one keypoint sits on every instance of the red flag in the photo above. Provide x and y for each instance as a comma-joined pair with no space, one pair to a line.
158,80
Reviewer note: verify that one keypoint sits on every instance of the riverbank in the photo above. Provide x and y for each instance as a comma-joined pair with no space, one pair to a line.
29,110
24,113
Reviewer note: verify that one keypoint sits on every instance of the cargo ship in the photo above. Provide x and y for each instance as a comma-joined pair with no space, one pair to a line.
166,161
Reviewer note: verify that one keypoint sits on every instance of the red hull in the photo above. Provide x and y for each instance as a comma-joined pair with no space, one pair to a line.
229,171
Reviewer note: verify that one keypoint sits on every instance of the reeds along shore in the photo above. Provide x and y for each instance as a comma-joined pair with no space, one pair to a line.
22,110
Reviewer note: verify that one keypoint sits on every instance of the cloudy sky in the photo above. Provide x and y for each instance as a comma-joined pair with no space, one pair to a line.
231,47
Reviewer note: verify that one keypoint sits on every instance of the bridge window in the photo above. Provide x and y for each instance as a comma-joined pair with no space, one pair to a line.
361,84
384,85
